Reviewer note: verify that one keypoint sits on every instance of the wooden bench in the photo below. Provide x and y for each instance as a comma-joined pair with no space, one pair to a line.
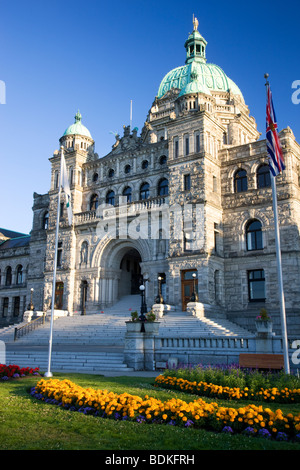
262,361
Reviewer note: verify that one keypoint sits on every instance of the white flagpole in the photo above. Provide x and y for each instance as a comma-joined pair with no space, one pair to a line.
130,115
279,267
49,373
280,281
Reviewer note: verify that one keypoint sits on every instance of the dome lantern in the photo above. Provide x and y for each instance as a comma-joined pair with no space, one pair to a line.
195,45
197,76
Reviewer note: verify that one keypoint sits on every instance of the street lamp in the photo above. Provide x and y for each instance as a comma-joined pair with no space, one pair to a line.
142,316
159,299
194,297
31,306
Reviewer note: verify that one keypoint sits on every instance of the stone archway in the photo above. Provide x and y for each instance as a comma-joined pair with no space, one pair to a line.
120,265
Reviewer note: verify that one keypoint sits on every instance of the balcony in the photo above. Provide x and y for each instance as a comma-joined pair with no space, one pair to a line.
131,209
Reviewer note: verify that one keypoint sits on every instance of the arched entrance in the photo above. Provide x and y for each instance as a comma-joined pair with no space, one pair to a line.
131,277
121,268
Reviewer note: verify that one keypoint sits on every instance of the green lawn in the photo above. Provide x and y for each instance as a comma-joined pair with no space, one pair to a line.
29,424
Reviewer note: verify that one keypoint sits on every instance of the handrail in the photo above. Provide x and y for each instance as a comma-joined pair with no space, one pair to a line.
30,326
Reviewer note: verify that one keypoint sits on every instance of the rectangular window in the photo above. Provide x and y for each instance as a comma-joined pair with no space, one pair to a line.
187,182
5,306
59,254
61,210
256,285
197,143
216,237
16,306
187,242
176,148
187,145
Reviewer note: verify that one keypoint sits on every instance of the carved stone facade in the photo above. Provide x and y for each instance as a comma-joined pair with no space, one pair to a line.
190,194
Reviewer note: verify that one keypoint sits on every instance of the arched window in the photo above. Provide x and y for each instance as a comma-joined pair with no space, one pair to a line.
145,164
240,181
20,274
110,198
95,177
163,160
263,176
111,173
163,187
127,169
94,202
127,192
8,276
46,221
144,191
254,235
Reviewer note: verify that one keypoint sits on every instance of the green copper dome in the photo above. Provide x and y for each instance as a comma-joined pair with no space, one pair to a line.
197,76
77,128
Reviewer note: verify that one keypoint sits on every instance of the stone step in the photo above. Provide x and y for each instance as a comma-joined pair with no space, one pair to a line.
69,361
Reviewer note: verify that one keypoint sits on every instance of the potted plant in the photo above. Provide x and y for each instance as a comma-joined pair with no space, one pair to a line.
151,325
134,325
263,322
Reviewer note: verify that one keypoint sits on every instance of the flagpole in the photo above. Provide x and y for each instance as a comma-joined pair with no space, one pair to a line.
279,270
280,280
49,373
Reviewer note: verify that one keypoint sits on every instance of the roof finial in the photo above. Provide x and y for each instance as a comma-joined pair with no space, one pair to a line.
195,23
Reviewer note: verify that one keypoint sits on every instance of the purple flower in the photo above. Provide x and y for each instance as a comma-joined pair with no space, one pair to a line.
227,429
141,419
249,431
189,423
281,436
264,433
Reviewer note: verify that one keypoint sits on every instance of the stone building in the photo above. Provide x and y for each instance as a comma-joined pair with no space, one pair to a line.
190,194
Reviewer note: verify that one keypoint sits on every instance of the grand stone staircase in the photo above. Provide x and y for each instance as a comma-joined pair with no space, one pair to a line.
94,343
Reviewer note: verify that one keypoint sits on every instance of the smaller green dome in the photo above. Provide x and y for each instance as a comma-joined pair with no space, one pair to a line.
77,128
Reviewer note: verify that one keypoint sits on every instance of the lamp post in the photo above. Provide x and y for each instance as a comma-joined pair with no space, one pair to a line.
143,307
159,299
194,297
31,306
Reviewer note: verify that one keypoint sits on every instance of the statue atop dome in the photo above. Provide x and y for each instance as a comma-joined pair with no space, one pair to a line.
195,23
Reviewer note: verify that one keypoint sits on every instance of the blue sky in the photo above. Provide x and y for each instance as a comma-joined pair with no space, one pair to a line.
60,56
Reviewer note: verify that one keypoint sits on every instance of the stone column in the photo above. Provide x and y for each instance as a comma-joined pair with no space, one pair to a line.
134,349
139,351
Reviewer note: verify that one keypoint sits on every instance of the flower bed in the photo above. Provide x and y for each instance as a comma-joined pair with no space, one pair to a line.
14,371
273,394
250,419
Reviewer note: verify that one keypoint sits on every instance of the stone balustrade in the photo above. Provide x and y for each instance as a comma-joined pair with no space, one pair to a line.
129,209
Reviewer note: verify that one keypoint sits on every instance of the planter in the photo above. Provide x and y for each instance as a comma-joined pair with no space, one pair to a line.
152,327
133,326
264,326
